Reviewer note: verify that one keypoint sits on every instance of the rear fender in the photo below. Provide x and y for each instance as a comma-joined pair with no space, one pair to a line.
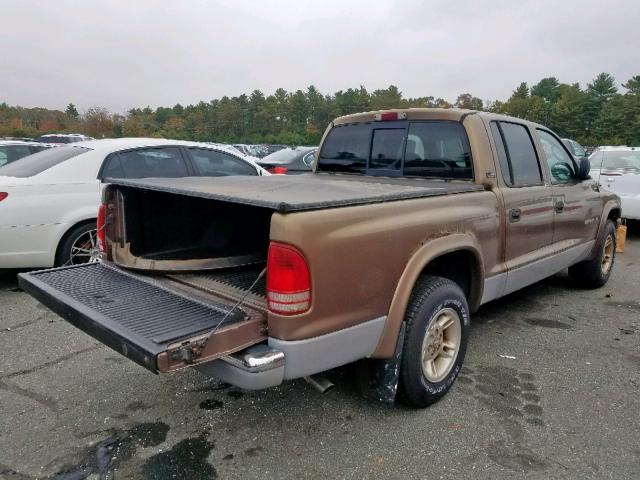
428,252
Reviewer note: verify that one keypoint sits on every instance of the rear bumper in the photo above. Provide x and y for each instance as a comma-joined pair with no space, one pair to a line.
256,368
264,366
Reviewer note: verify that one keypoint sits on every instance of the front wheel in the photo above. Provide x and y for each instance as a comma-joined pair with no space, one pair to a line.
437,333
595,272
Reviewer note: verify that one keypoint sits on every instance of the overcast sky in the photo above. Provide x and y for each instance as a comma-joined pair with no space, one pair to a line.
122,54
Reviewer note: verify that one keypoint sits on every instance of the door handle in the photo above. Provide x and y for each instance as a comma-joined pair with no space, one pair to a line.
514,215
559,206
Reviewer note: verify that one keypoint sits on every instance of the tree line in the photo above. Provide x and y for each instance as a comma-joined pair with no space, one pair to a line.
599,114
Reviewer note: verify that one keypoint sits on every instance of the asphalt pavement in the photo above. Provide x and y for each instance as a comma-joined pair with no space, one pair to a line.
550,389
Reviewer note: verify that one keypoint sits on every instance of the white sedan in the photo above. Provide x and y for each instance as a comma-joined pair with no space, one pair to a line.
49,200
618,170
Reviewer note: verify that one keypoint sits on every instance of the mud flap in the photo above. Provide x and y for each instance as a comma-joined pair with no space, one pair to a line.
379,378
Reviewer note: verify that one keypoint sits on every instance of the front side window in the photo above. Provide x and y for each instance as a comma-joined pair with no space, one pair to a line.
522,166
560,163
211,163
164,162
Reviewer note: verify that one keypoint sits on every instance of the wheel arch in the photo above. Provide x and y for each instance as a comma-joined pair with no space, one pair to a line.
455,256
63,238
611,211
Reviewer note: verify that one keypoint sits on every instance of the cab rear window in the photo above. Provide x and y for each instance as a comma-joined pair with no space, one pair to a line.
398,148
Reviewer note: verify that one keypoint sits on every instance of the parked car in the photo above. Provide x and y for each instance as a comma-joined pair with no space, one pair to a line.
575,148
290,160
411,220
618,170
12,150
63,138
274,148
49,200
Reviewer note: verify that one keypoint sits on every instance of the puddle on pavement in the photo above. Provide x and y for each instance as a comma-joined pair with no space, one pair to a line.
114,450
187,459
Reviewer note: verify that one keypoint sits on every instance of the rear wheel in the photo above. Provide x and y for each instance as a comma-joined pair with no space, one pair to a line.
79,245
437,332
595,272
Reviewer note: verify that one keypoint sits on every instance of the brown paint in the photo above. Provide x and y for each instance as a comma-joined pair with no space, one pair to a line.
364,260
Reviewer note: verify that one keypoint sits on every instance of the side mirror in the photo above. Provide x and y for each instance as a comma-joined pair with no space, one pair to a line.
584,166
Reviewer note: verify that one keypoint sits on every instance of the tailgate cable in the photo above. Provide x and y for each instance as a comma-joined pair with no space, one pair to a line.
190,352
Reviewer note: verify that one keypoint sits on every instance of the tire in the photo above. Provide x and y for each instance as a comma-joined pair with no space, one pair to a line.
68,253
595,272
425,374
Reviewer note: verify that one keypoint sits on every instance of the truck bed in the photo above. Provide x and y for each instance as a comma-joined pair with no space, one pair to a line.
286,194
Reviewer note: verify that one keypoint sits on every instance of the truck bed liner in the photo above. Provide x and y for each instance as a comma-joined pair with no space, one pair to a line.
302,192
133,316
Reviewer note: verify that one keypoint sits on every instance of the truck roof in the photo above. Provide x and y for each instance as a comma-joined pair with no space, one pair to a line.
287,194
451,114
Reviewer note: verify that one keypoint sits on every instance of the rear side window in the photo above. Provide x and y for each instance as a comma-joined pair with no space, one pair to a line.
153,162
309,158
346,149
438,149
41,161
413,149
515,148
211,163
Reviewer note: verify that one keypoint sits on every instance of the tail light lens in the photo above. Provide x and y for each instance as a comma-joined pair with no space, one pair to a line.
288,280
277,170
100,227
3,195
389,116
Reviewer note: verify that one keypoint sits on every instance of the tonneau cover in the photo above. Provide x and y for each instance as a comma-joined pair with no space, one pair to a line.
302,192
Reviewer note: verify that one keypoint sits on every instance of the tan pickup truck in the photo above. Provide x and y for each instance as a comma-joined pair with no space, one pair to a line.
411,220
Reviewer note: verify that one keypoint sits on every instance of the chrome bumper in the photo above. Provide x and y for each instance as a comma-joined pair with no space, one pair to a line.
257,367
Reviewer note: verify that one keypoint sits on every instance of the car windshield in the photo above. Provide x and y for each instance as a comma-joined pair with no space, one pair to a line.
398,148
625,160
286,155
41,161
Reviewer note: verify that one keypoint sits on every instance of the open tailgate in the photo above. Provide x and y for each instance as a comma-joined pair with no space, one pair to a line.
153,324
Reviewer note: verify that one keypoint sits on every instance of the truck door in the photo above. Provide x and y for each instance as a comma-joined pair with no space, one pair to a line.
528,204
577,206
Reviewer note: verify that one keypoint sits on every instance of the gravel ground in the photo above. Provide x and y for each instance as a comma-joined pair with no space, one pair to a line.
565,407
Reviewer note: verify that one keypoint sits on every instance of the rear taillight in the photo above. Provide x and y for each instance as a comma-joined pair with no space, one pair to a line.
3,195
100,226
288,280
277,170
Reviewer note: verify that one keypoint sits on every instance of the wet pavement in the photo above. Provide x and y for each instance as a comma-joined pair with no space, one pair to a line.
565,407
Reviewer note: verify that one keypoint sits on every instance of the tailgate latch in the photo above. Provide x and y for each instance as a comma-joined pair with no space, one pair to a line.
188,352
